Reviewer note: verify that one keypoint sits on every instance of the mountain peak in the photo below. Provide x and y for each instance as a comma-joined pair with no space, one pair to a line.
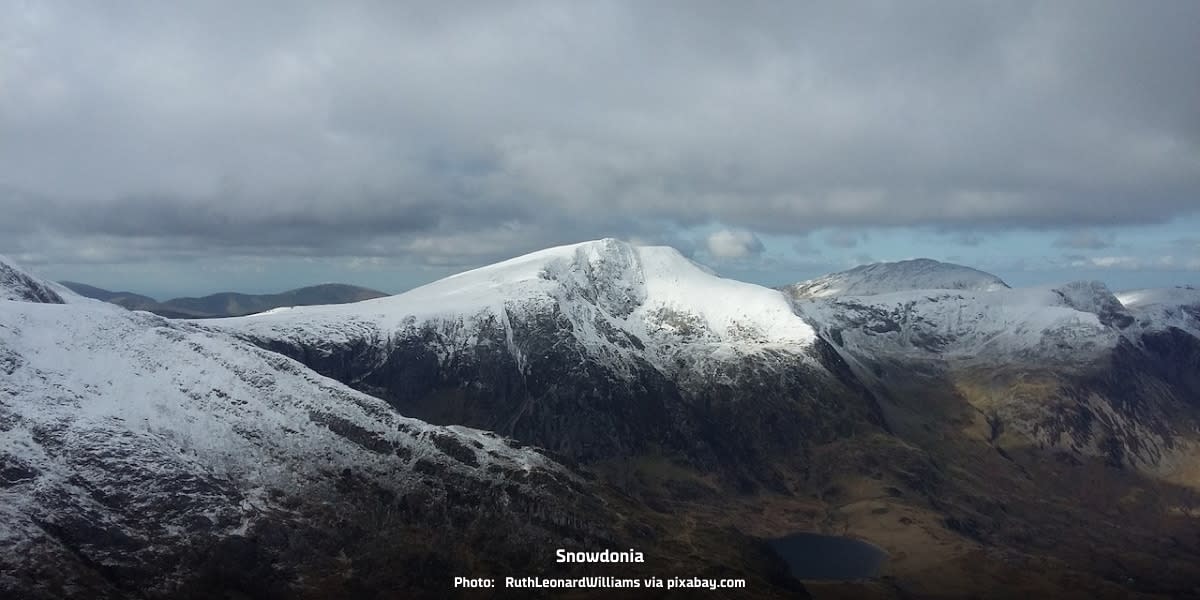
885,277
1094,297
600,290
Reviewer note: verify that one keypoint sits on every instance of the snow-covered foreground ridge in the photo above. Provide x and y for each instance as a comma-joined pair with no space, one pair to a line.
658,300
157,431
90,364
222,403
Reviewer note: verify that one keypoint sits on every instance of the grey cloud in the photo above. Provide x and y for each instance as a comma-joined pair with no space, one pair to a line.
805,247
845,239
1085,240
1187,244
452,132
1166,262
968,238
733,244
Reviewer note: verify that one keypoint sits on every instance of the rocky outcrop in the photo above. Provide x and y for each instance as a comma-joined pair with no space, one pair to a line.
15,284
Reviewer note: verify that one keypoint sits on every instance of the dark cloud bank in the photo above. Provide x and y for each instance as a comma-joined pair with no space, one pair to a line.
465,131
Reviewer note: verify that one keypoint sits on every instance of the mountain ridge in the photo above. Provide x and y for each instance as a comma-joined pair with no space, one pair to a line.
957,429
946,405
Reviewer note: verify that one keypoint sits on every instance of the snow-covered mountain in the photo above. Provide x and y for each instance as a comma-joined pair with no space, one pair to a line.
1072,322
595,349
1110,370
619,300
882,278
135,451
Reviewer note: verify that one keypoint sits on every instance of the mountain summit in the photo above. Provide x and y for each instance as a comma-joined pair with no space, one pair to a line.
610,294
597,349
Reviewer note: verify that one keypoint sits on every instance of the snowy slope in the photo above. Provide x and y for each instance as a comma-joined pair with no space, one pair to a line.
229,403
882,278
610,293
124,436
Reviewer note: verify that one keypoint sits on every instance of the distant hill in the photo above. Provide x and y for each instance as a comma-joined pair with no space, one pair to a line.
887,277
129,300
229,304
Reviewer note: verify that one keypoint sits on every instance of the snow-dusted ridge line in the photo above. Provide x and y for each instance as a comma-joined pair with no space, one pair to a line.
651,293
675,307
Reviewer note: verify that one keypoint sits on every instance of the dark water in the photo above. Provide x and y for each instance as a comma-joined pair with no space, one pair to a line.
816,556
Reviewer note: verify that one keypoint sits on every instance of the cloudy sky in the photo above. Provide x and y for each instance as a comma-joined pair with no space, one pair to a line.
183,148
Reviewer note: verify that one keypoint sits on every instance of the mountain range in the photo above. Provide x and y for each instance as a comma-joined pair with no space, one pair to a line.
228,304
992,440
